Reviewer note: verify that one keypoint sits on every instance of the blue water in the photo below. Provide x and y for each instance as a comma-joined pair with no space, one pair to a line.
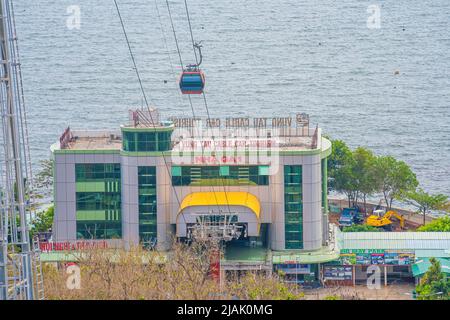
262,58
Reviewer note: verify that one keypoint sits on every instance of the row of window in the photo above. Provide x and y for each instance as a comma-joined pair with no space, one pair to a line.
219,175
88,204
147,204
146,141
91,230
293,207
86,172
97,201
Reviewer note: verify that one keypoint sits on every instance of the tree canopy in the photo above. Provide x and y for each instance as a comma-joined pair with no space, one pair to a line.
360,173
394,178
434,285
43,221
426,202
440,225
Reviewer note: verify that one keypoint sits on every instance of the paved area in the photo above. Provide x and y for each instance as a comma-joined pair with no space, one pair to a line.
360,292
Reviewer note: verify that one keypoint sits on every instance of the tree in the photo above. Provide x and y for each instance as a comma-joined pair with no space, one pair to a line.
361,228
437,225
340,153
364,173
426,202
394,179
44,178
434,284
183,273
43,221
340,168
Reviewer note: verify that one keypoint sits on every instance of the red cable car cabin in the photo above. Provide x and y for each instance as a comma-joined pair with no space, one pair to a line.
192,82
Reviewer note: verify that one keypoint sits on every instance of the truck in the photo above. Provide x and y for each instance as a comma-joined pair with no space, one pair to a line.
350,216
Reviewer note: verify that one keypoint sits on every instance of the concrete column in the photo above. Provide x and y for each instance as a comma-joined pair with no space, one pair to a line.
354,275
130,206
312,202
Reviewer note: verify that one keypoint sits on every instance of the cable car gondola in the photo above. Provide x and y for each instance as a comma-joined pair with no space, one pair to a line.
192,80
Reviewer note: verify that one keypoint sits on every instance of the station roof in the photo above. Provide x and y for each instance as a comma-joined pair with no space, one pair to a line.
424,241
94,143
422,266
232,198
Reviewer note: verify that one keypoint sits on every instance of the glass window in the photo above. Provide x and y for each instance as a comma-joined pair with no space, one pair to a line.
218,175
99,210
176,171
263,170
148,202
224,171
146,141
293,207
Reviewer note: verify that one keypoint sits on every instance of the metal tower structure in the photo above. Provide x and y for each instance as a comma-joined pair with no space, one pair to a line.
17,255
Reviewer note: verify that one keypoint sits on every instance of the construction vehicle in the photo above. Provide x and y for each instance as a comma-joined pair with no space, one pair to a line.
380,219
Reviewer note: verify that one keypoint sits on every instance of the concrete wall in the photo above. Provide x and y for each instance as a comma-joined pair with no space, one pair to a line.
312,199
64,225
130,200
168,199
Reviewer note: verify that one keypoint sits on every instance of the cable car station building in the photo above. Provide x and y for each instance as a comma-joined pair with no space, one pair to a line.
261,181
258,185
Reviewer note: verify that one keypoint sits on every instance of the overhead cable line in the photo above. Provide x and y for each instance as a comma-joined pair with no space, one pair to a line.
145,98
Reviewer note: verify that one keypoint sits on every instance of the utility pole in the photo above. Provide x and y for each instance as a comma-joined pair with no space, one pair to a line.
16,253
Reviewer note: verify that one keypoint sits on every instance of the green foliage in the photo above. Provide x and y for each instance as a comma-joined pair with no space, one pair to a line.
335,297
441,224
394,178
340,169
434,285
340,154
43,221
426,202
364,173
361,228
360,173
44,178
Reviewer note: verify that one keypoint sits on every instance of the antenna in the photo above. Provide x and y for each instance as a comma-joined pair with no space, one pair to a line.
18,263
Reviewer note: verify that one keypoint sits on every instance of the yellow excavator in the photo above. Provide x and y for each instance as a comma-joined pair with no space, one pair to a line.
383,220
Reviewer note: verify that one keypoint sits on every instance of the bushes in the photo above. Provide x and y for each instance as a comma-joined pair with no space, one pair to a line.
361,228
440,224
183,273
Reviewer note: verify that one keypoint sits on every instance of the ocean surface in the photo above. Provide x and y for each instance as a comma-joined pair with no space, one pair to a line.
386,88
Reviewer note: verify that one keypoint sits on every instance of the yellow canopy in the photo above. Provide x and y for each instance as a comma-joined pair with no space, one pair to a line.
232,198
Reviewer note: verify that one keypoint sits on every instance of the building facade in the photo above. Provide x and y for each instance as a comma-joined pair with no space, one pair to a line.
153,180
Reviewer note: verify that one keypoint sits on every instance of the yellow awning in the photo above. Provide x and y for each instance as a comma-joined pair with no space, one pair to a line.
232,198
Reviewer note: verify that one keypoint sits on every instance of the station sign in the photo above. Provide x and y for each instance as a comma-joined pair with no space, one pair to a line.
339,273
299,120
376,257
52,246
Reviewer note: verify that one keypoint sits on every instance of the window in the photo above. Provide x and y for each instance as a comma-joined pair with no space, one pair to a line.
98,201
219,175
293,207
146,141
148,204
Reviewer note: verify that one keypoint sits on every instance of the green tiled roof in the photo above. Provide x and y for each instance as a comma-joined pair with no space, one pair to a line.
396,240
322,255
422,265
